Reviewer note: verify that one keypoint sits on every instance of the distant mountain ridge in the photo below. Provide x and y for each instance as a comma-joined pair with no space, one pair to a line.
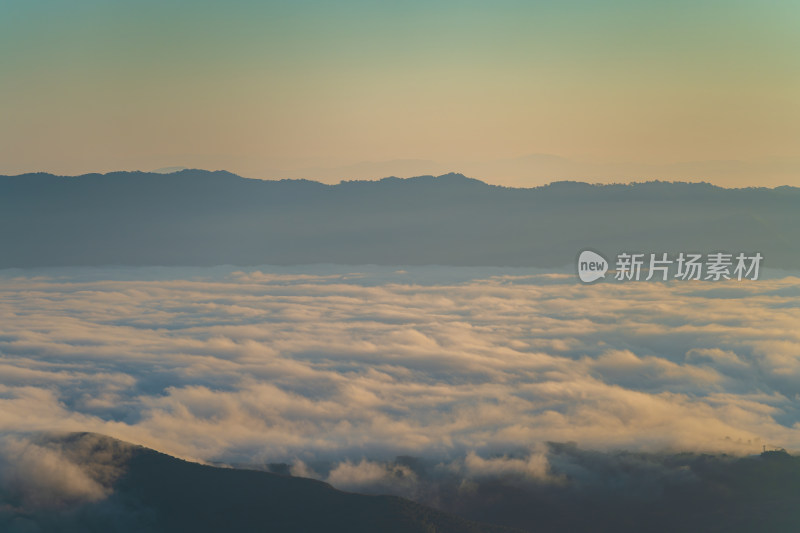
202,218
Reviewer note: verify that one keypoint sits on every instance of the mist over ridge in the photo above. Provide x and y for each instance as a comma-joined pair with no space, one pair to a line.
459,370
96,483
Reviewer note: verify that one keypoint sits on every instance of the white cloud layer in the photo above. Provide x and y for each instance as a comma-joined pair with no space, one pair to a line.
462,365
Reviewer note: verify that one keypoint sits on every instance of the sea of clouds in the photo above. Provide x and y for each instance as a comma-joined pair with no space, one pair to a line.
338,371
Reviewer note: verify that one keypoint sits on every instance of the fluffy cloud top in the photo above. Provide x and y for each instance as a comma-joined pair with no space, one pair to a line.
456,365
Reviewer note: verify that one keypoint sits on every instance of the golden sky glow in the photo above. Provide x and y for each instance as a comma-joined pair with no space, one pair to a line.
289,89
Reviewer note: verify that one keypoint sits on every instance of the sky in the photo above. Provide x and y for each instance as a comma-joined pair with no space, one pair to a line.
511,92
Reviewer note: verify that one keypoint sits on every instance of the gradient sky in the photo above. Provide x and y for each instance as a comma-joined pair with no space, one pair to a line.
275,89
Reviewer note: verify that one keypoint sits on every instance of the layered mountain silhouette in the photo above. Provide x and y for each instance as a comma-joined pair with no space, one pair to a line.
201,218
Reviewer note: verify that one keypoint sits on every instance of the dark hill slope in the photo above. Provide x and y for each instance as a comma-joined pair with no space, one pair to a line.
153,492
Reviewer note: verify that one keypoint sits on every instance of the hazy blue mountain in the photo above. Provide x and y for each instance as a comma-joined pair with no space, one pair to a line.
195,217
